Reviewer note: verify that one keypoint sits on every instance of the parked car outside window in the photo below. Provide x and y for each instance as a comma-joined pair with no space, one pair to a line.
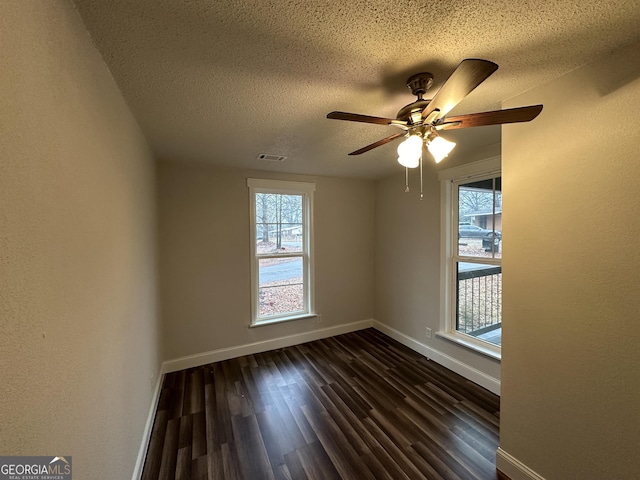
474,231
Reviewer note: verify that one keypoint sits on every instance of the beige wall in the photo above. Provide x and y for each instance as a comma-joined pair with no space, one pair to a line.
205,257
79,352
571,331
407,263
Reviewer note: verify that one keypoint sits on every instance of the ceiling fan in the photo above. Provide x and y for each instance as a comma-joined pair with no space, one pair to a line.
422,119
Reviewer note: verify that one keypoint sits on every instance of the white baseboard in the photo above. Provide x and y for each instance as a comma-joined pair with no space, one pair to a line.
514,468
146,434
258,347
490,383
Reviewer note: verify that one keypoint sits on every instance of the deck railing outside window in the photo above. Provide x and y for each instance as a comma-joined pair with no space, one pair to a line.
479,293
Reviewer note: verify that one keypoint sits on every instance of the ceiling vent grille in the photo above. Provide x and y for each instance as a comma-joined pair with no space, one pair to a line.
271,158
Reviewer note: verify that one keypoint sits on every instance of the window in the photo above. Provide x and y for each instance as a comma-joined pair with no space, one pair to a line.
281,250
472,261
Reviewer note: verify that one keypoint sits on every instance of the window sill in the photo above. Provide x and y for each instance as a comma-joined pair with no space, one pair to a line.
470,344
271,321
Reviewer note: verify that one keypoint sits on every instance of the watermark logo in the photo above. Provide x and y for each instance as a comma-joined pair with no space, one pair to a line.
35,468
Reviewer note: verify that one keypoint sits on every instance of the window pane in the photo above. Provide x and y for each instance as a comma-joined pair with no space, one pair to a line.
479,301
281,300
480,219
278,238
278,208
278,223
497,219
280,286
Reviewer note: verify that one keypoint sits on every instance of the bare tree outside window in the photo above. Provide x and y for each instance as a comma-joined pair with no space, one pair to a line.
477,200
278,222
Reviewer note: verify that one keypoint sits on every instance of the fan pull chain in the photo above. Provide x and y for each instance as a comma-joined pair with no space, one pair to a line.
421,195
406,180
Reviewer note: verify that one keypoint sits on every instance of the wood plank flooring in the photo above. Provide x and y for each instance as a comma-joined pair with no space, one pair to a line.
354,406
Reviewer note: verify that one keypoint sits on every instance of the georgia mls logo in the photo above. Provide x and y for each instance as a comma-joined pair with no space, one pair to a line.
35,468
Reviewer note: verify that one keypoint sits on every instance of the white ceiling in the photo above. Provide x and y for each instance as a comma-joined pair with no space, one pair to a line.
221,81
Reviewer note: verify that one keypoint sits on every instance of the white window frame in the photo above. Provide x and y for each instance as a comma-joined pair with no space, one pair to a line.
450,179
258,185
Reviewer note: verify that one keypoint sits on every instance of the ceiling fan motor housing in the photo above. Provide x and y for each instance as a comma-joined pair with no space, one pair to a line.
405,112
419,84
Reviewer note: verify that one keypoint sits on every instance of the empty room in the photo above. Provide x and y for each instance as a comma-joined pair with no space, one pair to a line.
266,239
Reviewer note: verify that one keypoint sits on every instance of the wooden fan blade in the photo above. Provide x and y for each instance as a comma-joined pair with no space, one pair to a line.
355,117
497,117
378,143
467,76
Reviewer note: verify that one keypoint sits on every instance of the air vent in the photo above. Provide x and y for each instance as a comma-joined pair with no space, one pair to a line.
271,158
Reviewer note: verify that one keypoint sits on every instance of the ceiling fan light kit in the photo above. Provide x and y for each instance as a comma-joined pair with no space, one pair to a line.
410,150
422,119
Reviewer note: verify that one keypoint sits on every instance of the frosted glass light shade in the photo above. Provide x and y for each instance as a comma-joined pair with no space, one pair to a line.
409,162
440,148
409,151
411,147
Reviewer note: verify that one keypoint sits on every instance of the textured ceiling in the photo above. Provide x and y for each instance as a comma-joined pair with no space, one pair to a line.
221,81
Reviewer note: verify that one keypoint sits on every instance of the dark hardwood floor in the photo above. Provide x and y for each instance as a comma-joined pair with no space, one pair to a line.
355,406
